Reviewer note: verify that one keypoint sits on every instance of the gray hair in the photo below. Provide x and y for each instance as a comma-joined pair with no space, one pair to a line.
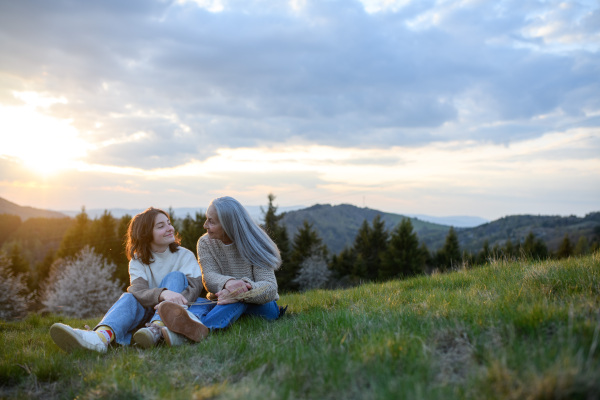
251,240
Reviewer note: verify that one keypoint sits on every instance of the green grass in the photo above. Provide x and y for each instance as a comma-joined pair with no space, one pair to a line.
509,330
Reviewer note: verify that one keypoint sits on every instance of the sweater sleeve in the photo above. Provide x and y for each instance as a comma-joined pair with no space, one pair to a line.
212,275
265,284
147,297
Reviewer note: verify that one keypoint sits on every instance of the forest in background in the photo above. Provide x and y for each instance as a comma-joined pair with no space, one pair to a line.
36,249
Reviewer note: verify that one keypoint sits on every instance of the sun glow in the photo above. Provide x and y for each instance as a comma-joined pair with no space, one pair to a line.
44,143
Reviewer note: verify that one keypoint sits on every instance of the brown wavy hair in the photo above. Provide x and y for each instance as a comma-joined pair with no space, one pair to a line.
139,236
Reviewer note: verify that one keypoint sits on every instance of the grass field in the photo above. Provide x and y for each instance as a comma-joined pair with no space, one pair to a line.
509,330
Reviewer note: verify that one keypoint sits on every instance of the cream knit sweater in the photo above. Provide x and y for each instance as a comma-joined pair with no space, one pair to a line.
220,262
145,279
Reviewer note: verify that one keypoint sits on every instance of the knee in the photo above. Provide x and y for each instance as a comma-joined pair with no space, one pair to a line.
128,298
175,275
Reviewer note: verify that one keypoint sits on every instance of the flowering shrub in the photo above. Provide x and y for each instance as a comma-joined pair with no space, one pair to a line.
82,287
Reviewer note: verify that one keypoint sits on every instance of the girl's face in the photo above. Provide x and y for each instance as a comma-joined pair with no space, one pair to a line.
213,226
163,233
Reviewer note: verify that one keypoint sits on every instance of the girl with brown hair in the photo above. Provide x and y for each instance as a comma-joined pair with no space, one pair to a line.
159,270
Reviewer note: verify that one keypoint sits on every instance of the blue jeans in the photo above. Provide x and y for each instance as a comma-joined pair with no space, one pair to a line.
215,316
127,313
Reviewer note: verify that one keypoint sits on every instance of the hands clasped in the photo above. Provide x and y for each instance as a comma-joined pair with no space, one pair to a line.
233,287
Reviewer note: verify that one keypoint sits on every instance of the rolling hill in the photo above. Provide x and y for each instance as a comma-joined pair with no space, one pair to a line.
338,225
7,207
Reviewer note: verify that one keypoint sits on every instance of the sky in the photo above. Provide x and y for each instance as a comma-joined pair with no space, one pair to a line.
479,108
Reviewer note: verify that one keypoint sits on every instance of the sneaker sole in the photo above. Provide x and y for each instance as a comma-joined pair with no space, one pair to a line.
64,338
177,319
143,340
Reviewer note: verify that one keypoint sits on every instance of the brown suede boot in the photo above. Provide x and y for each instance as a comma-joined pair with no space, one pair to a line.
177,319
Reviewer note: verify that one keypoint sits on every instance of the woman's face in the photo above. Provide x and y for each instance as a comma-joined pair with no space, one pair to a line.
163,233
213,226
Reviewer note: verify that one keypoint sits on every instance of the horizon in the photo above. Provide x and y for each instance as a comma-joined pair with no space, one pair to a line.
455,108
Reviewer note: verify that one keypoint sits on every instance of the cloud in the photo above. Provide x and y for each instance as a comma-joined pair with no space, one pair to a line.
164,84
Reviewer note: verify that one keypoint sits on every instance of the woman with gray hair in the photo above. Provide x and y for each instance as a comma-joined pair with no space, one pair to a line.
238,262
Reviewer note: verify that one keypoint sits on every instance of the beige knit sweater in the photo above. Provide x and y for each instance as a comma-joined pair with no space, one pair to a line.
145,279
220,262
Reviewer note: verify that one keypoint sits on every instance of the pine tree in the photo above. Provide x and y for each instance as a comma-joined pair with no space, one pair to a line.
449,256
14,296
534,247
370,242
191,230
103,237
306,243
122,270
566,248
485,254
403,257
276,231
18,263
76,237
83,287
582,247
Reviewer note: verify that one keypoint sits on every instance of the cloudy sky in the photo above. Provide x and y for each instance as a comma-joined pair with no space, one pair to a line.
483,108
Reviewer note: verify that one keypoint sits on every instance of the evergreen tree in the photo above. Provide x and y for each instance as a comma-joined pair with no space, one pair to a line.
403,257
485,254
449,256
191,230
103,237
582,247
76,237
276,231
370,242
566,248
342,265
534,248
307,242
122,263
18,264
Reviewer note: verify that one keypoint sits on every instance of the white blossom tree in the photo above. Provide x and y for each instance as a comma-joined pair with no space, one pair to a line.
313,273
14,297
83,287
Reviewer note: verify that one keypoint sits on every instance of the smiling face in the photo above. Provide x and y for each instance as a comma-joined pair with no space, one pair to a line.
163,233
213,226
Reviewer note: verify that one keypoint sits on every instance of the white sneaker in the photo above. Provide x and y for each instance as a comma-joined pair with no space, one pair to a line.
70,339
148,337
173,339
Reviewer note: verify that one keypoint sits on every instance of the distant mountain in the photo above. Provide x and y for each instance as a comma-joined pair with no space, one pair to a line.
338,225
551,229
457,221
7,207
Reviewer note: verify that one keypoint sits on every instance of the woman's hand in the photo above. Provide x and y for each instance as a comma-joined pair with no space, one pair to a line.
174,297
233,287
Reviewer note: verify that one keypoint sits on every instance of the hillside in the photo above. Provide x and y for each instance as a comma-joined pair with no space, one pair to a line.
338,225
7,207
508,330
551,229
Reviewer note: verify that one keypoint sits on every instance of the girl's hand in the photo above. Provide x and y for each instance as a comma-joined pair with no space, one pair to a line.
174,297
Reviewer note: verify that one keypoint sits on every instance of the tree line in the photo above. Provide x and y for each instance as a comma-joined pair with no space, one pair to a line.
33,252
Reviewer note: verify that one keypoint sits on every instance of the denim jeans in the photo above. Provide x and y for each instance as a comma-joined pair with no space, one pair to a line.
215,316
127,313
